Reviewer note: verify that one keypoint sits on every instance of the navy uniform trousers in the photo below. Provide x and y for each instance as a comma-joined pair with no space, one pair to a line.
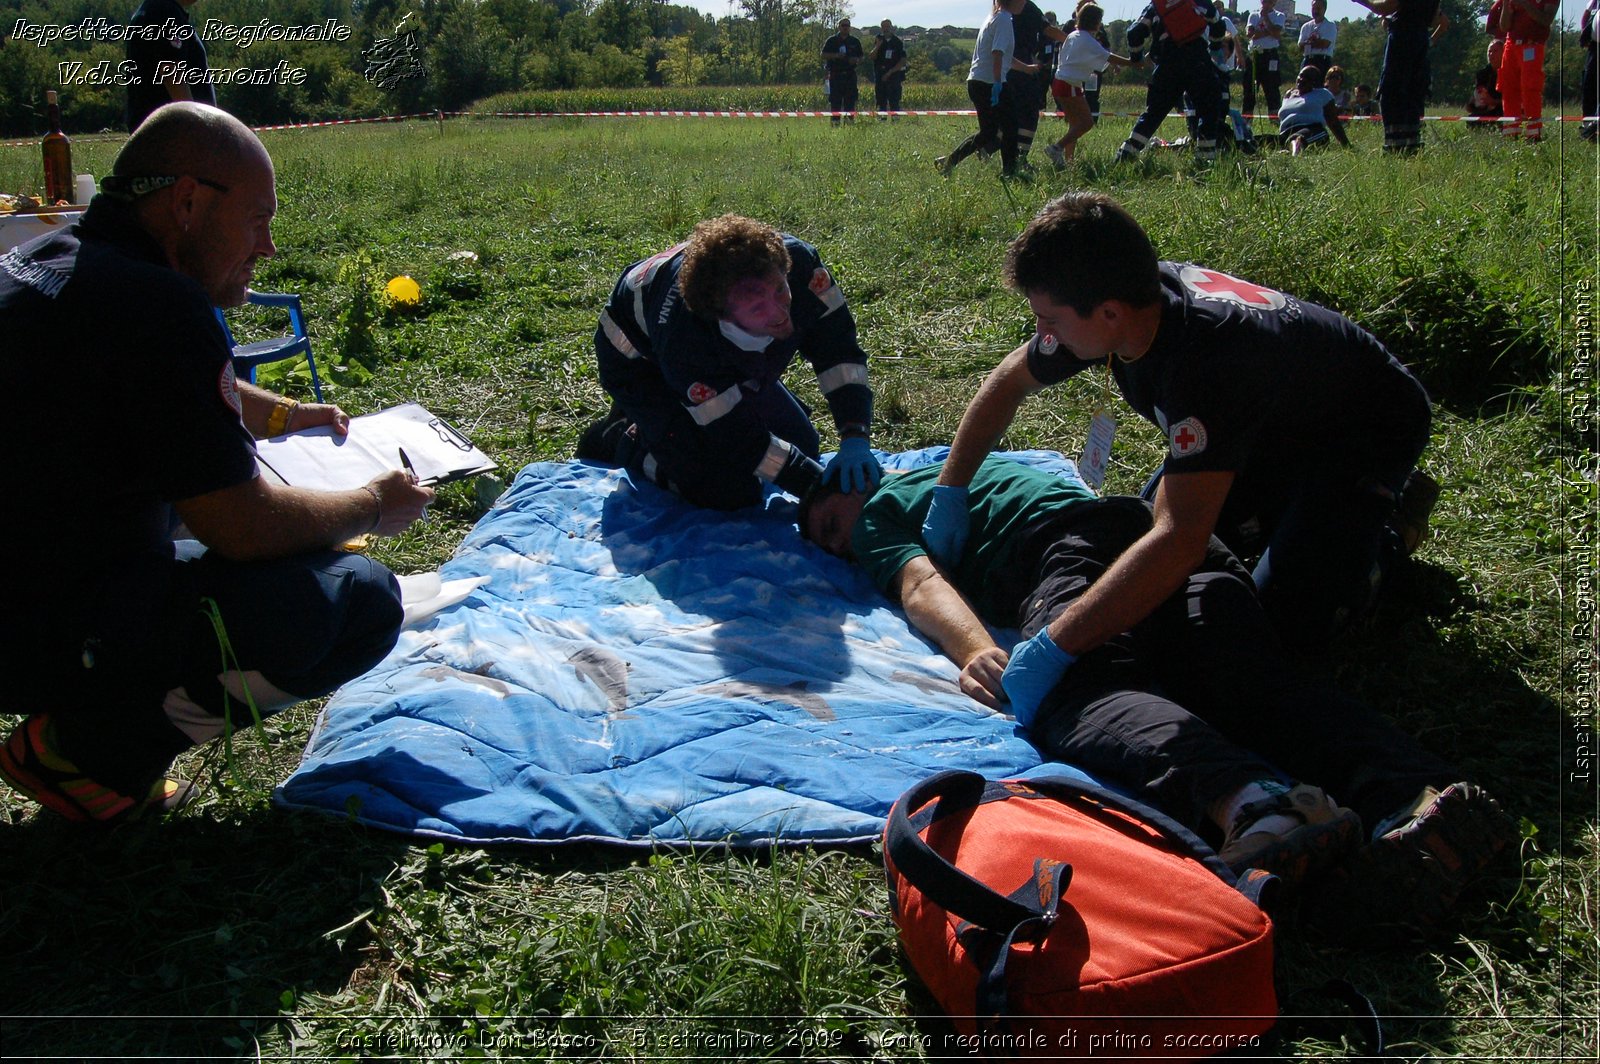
1198,699
1403,87
1179,70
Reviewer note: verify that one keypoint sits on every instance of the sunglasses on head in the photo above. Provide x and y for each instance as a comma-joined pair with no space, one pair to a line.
128,189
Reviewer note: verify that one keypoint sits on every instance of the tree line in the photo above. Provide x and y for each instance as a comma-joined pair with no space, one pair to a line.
405,56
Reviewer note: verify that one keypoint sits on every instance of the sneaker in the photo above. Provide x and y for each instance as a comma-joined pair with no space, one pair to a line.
1408,879
1057,157
599,441
1411,511
942,164
1326,835
31,766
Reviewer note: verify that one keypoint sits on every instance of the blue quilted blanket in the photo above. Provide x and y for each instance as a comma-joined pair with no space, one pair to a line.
638,670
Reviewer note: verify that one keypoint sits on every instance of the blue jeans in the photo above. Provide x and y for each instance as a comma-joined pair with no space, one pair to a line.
307,624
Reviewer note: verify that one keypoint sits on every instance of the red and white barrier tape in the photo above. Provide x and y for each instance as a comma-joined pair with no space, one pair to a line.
967,113
345,122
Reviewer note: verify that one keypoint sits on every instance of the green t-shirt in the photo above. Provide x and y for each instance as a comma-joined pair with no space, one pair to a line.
1004,498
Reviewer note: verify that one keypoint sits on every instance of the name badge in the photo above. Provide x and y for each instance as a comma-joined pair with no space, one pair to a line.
1097,449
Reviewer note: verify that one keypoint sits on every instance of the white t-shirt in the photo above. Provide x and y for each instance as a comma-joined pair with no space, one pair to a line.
997,35
1328,31
1082,57
1273,27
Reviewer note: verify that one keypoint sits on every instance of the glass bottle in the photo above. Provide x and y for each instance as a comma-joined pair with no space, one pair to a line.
57,151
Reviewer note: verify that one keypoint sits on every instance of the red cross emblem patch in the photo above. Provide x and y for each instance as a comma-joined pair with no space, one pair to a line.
228,387
822,286
1187,437
1213,284
699,393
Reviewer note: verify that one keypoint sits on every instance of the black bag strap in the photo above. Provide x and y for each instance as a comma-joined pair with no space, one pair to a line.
1066,786
942,882
956,892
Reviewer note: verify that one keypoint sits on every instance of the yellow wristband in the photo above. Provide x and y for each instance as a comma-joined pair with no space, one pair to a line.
278,417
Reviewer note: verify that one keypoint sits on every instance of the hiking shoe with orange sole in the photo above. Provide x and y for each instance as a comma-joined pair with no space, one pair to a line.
31,766
1327,835
1407,880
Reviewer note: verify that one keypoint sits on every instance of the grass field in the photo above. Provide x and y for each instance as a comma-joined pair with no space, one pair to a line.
234,930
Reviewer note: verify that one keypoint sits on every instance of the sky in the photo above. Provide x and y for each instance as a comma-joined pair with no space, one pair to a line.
868,13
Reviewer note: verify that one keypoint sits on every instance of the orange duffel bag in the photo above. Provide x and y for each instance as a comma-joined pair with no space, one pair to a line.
1051,918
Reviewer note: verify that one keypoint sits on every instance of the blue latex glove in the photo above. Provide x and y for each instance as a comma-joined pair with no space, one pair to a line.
994,94
944,530
855,466
1035,667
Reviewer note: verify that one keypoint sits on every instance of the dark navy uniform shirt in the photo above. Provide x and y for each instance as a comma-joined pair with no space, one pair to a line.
651,345
1246,379
885,54
838,67
1414,15
183,45
1027,26
124,402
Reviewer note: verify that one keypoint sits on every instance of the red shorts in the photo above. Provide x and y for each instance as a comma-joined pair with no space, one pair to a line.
1065,90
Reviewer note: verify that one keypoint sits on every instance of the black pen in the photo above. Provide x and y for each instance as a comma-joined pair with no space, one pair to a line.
405,460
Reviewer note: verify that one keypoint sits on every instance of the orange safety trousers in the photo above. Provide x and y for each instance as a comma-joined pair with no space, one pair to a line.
1522,88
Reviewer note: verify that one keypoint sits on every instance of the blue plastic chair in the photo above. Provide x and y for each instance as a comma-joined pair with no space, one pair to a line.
246,357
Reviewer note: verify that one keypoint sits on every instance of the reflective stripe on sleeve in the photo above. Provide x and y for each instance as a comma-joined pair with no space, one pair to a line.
774,460
614,333
707,412
836,377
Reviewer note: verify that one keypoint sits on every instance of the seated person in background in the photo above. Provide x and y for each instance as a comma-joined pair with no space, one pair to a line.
693,346
1195,708
1485,103
125,648
1362,105
1333,81
1308,115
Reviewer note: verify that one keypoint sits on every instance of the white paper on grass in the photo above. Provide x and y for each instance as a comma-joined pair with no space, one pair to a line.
424,594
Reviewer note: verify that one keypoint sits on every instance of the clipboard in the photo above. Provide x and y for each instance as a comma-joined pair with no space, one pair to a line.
319,458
